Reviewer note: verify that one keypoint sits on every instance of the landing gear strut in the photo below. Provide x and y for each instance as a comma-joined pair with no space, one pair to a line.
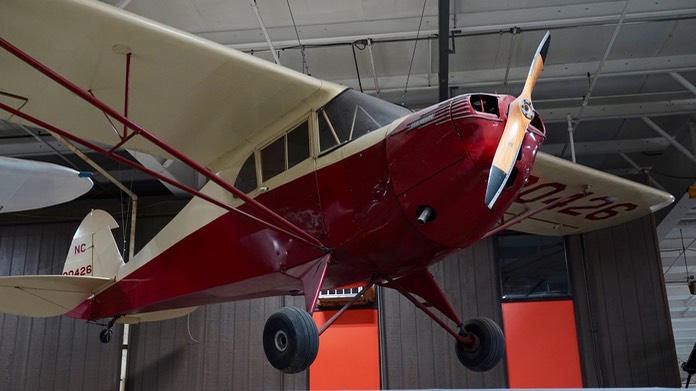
480,344
290,340
106,334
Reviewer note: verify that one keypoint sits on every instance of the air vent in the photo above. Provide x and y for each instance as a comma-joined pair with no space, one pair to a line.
485,104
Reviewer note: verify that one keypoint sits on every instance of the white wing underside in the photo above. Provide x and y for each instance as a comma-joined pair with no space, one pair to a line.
43,296
610,200
27,184
202,98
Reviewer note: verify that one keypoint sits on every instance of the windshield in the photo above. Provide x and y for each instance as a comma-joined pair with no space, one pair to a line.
353,114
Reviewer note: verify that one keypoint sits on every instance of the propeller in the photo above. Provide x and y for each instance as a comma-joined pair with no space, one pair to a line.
520,114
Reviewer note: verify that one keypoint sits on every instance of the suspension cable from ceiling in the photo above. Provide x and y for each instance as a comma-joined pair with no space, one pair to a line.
593,80
305,67
413,55
681,252
255,7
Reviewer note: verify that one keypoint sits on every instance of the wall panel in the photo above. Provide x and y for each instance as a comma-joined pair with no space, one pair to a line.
624,327
223,351
57,353
418,353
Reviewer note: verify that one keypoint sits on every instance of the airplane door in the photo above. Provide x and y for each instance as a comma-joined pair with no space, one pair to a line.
288,180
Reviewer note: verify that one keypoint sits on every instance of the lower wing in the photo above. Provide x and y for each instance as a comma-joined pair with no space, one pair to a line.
575,199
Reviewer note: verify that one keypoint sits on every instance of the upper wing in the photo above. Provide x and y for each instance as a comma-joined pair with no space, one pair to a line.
607,200
202,98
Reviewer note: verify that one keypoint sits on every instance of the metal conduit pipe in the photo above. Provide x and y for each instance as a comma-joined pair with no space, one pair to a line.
372,63
587,95
669,138
98,168
571,140
265,33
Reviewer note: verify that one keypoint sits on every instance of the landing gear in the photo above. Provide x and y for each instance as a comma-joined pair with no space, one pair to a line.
488,347
480,342
106,334
290,340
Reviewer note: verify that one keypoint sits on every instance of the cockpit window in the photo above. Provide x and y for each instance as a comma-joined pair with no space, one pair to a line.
353,114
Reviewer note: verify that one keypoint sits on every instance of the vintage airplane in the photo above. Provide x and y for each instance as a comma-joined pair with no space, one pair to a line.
311,185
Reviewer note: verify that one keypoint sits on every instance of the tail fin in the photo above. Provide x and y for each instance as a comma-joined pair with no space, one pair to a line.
93,251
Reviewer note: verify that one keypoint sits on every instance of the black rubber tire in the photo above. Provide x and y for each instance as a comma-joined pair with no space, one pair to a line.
488,349
105,335
290,340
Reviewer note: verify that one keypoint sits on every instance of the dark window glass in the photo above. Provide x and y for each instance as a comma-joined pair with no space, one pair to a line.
532,267
326,136
273,159
246,180
485,103
353,114
298,144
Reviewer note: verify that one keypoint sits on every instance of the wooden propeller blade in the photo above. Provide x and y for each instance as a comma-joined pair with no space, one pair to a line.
520,114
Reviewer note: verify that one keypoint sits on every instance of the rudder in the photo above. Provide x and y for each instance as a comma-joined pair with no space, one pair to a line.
93,251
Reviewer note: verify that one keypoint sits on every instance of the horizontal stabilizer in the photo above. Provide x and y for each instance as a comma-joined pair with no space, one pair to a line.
47,295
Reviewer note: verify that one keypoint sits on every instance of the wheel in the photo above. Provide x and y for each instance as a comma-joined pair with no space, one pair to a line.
290,340
488,348
105,335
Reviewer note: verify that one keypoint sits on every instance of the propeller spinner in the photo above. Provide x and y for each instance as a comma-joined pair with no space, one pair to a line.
520,114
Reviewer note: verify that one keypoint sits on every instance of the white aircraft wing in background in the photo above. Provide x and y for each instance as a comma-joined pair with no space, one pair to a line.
28,184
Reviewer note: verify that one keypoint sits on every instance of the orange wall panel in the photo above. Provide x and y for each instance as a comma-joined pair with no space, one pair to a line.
348,352
542,345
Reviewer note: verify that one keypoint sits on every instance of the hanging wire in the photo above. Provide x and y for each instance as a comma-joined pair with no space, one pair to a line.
681,252
686,265
188,327
305,67
413,55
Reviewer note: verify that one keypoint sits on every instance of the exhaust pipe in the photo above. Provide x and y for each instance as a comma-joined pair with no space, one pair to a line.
426,214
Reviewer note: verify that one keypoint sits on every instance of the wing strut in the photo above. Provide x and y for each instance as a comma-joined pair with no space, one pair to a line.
290,229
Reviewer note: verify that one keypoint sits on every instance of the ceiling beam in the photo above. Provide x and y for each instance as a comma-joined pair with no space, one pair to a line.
24,147
623,110
467,24
654,144
492,79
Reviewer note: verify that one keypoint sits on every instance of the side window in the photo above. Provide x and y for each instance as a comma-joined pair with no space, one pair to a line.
298,144
273,159
286,152
246,180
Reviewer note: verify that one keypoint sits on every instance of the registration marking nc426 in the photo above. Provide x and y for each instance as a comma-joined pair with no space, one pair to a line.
587,205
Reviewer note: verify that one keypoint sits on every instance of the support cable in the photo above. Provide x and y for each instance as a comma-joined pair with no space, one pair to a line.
305,67
265,33
413,55
593,82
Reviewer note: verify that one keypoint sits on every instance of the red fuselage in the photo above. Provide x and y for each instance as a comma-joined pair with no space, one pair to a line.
364,207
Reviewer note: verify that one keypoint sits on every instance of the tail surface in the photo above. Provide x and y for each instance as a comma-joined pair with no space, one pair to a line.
92,264
93,250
